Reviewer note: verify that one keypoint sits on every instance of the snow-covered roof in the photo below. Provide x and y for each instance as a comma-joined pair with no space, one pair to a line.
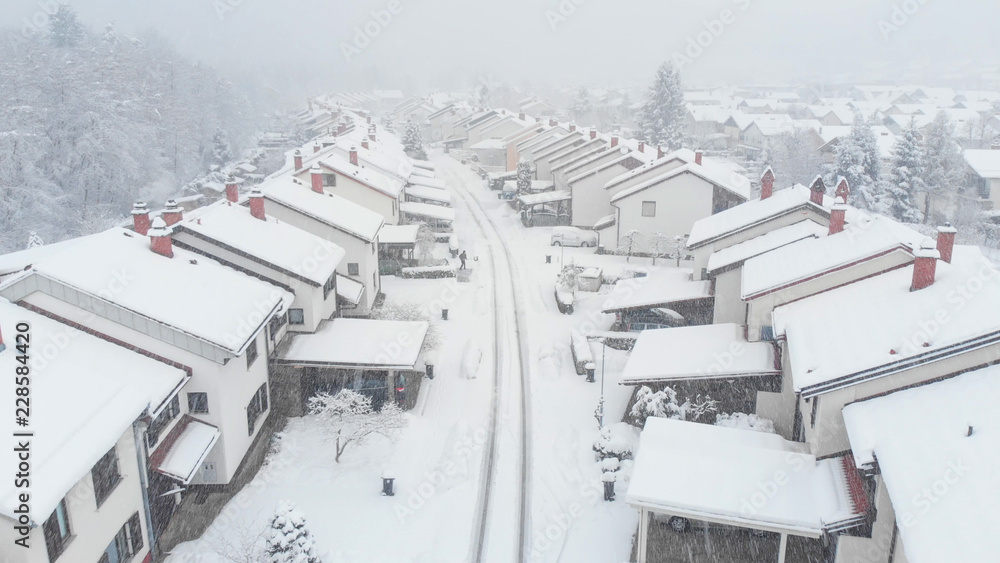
545,197
721,469
427,210
18,261
489,144
428,193
349,289
864,239
189,292
921,437
777,238
418,173
184,456
276,243
748,214
716,176
658,289
433,183
367,176
84,398
986,163
398,234
694,352
333,210
359,342
820,328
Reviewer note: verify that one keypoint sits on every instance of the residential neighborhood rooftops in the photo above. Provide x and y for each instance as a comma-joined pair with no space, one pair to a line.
738,253
722,468
429,194
717,176
861,240
819,329
418,180
658,289
189,292
367,176
85,397
946,432
330,209
697,352
359,342
277,243
428,210
748,214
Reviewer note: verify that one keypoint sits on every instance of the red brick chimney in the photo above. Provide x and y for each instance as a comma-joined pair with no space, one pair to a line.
946,241
767,183
521,116
369,118
572,127
659,152
553,123
160,238
257,204
697,157
838,216
593,134
172,214
140,218
843,189
298,159
316,173
614,141
371,135
232,190
642,146
354,155
818,190
925,265
316,147
364,144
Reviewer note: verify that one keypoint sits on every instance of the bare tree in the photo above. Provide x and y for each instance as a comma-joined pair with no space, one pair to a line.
349,418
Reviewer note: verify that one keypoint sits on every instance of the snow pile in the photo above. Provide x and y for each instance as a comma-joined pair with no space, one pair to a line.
745,422
617,440
471,359
582,354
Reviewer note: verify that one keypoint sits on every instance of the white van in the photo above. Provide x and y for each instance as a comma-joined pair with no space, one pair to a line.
572,236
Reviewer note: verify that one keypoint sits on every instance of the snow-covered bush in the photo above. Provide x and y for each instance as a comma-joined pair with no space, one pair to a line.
288,539
348,418
665,404
745,422
582,354
617,441
428,272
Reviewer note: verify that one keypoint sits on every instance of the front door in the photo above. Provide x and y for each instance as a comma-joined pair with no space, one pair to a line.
209,474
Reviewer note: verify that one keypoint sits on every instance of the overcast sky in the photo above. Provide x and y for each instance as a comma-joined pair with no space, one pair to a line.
447,43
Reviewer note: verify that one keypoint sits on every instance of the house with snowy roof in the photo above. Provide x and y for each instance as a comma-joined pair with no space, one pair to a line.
594,142
248,240
340,221
94,403
983,172
525,149
591,203
541,153
666,197
218,324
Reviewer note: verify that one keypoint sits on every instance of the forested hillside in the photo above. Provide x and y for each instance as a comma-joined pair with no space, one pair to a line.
91,120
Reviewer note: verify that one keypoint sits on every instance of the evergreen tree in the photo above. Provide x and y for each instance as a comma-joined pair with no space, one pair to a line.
906,177
110,36
858,160
222,151
524,176
288,539
582,107
942,161
662,119
413,143
65,29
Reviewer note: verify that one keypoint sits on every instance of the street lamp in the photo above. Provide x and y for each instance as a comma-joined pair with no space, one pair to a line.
599,413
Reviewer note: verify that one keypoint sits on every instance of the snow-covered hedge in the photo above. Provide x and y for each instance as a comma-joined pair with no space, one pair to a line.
616,440
565,300
582,354
745,422
428,272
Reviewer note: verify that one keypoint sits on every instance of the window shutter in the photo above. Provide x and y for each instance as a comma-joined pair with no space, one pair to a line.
135,529
263,397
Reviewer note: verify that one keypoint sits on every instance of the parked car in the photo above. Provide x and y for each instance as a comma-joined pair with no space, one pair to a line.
680,525
572,236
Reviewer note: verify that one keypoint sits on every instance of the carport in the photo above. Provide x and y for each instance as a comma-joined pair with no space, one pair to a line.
742,479
556,203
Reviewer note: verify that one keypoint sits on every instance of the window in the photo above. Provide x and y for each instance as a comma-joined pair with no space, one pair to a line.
198,403
767,333
296,317
649,209
329,286
106,476
352,269
162,421
126,544
257,406
329,180
252,352
275,325
57,531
